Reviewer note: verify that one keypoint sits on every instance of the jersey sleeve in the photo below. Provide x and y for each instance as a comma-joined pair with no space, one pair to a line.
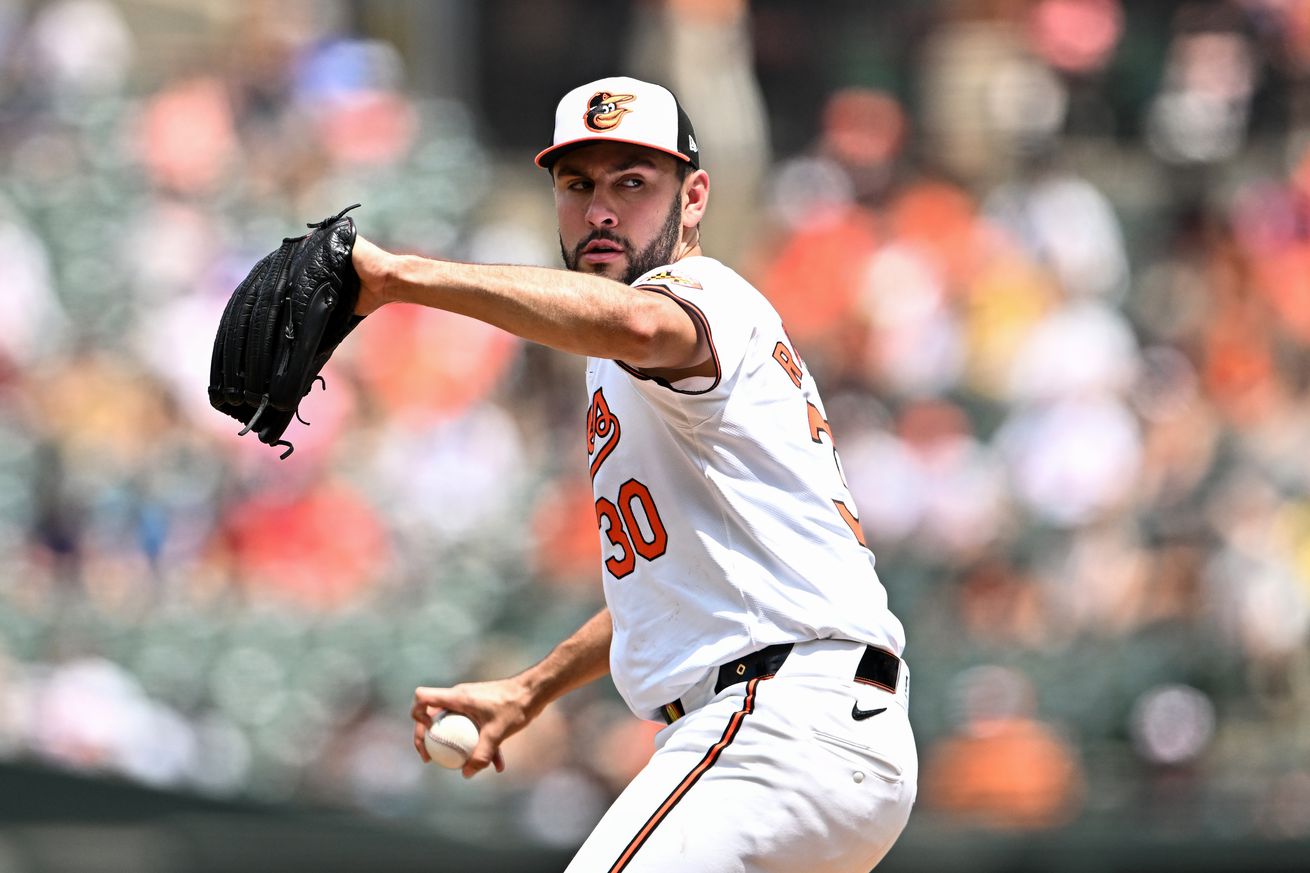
725,312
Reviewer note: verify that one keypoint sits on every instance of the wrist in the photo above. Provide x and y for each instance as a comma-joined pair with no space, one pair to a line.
535,688
397,272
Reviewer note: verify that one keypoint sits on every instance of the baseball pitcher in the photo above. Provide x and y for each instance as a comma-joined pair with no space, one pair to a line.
742,605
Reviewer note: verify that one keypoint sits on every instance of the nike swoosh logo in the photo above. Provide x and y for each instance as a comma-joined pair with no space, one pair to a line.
861,714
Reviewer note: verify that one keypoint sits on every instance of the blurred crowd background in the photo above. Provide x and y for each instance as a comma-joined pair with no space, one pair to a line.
1048,259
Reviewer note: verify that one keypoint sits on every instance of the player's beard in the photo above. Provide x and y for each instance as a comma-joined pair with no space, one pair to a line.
657,254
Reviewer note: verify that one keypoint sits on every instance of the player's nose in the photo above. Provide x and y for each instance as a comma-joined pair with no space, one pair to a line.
600,213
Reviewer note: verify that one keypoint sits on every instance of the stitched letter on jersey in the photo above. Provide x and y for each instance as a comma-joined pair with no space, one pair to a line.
602,431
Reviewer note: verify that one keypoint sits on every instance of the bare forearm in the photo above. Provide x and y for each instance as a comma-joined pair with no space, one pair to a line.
503,707
578,660
573,312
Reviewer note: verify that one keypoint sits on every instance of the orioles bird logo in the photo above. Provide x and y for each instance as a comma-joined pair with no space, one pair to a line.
605,110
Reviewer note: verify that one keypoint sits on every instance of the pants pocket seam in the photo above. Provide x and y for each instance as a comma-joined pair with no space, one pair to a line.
865,751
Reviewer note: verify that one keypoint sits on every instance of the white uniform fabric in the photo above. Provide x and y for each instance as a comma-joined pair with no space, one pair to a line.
771,776
726,525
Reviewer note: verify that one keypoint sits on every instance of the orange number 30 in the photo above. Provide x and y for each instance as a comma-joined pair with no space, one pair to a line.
624,529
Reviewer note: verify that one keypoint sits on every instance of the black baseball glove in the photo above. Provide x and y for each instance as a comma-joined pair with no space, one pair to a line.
281,326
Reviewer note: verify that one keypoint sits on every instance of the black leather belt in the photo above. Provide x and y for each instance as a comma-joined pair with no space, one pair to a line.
877,667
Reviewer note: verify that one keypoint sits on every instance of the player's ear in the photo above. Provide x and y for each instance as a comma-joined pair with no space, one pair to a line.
695,197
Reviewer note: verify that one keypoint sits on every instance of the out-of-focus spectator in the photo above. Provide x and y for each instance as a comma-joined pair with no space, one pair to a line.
1200,116
1257,586
864,132
1075,36
1000,605
913,347
1003,768
32,321
983,92
1073,461
424,468
187,139
1065,224
815,279
564,535
82,46
423,365
931,480
93,714
351,92
1082,349
320,548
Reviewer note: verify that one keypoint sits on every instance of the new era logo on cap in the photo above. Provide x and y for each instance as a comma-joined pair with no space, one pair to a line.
622,109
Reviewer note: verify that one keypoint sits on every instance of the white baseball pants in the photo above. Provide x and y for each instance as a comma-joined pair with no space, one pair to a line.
788,774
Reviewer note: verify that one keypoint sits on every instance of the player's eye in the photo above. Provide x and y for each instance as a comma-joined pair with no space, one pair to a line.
632,183
578,185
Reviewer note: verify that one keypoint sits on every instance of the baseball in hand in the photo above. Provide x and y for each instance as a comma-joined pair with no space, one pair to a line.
451,739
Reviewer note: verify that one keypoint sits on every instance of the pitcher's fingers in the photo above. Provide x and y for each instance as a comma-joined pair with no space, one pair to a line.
419,744
420,711
483,754
438,698
499,762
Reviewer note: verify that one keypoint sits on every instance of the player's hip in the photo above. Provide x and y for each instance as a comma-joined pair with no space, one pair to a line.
829,665
795,771
833,709
811,706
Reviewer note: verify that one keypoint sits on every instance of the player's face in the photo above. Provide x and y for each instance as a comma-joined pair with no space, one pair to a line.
619,208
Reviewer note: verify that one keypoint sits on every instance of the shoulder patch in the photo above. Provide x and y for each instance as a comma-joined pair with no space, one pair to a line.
666,276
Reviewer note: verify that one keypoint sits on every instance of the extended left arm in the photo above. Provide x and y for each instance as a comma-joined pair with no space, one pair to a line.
570,311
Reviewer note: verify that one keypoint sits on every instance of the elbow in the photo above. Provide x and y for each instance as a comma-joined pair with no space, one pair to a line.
643,336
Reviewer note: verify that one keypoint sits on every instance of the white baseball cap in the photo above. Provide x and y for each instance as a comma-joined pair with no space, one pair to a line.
621,109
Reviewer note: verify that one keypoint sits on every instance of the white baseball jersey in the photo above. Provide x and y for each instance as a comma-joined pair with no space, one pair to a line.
725,521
